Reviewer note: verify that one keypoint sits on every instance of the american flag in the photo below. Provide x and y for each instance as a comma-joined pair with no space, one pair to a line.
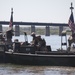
11,21
71,22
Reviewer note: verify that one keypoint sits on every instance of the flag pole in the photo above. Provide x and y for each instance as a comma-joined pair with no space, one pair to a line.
12,11
12,17
71,8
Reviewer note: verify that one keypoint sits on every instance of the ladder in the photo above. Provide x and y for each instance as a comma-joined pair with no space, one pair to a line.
63,38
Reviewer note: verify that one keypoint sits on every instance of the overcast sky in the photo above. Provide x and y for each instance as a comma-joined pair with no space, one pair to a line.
51,11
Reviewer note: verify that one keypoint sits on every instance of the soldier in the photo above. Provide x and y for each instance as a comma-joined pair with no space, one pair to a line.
16,45
41,44
71,39
2,40
34,42
9,34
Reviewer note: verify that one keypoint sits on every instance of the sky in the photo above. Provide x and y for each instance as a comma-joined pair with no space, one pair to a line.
47,11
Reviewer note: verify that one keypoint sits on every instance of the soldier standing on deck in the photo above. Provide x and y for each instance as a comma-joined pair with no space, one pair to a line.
41,44
34,42
9,34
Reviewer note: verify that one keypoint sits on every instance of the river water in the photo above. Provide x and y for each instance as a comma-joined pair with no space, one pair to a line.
55,42
9,69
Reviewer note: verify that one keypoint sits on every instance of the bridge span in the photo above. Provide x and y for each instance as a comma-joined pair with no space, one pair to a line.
33,24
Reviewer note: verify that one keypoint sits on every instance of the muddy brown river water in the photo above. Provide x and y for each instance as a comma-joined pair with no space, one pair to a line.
10,69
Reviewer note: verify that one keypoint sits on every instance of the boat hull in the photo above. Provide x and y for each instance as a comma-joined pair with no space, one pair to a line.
41,59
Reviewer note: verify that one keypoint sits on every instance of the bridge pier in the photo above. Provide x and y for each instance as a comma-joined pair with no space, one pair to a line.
17,30
1,28
32,28
60,30
47,31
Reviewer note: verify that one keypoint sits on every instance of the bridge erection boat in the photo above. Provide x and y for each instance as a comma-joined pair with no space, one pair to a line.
29,55
37,53
42,58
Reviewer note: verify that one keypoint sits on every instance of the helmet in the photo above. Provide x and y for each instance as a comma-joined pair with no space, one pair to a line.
38,36
33,34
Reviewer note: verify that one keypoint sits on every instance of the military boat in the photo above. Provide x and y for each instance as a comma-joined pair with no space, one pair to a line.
29,55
